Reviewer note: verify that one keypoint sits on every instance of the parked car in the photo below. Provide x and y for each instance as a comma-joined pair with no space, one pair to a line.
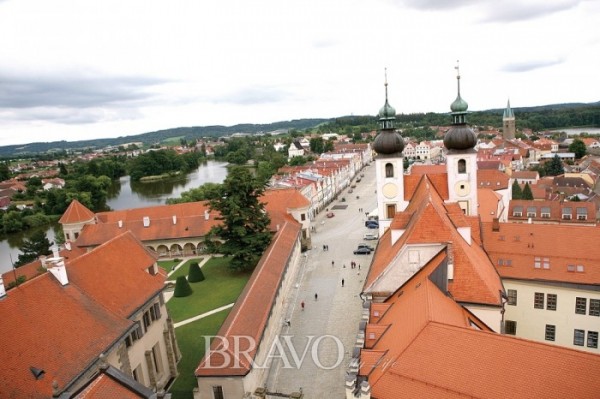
370,236
330,214
362,251
364,245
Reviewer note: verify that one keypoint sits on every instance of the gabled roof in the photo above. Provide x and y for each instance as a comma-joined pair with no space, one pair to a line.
252,310
76,213
521,243
112,383
279,202
54,328
115,274
492,178
433,347
191,219
433,222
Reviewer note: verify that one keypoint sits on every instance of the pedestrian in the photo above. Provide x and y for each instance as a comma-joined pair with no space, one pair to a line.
359,266
316,296
288,323
342,282
323,247
302,305
332,263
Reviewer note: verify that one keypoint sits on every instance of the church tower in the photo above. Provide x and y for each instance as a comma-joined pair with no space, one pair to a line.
461,159
508,123
389,164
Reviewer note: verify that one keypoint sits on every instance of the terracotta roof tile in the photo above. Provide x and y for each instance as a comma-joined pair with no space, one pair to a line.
115,274
103,386
521,243
493,179
55,328
488,204
76,213
252,310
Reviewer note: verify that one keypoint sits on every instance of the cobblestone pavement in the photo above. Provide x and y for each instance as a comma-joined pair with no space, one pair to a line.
324,331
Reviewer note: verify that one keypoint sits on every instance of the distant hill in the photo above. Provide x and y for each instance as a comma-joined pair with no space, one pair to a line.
188,133
591,112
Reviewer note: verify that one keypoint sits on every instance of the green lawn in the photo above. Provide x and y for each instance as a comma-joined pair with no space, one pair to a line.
168,264
191,343
220,288
184,269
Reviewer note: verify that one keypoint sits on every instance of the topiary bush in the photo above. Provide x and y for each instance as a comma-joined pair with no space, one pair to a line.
195,273
182,287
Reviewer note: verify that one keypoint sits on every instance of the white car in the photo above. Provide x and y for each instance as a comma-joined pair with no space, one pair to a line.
370,236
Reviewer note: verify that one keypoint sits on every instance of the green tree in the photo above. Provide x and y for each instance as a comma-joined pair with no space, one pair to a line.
203,193
34,246
317,145
329,145
578,147
517,193
182,287
245,227
554,167
4,171
195,273
527,194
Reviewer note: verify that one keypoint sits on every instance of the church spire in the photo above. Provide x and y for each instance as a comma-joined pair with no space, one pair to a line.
508,112
388,141
459,137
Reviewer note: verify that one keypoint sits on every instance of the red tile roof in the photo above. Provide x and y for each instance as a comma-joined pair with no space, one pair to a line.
430,348
432,221
76,213
493,179
112,383
58,329
252,310
521,243
115,274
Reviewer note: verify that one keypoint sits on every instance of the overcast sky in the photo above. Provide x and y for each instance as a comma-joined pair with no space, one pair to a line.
83,69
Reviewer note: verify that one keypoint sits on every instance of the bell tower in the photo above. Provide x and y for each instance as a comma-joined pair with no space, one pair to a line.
461,159
389,164
508,123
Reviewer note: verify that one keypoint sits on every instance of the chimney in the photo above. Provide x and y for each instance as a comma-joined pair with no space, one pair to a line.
174,219
59,271
496,224
120,222
2,289
146,221
206,214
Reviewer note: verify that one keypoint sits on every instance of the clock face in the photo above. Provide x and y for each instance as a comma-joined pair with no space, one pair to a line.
389,190
462,188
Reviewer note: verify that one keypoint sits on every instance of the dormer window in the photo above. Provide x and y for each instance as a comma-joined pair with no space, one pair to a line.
581,213
545,212
371,335
567,213
518,211
531,211
462,166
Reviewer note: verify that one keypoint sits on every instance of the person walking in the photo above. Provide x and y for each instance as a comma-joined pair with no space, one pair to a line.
316,296
332,263
342,282
302,305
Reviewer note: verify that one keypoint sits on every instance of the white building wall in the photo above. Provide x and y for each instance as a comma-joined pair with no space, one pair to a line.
531,322
491,316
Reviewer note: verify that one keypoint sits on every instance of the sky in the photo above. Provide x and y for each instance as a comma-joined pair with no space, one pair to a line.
81,69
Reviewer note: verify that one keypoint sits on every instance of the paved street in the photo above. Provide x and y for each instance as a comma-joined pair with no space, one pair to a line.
332,320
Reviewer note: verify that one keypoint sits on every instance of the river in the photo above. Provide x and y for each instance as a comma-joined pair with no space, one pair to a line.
127,195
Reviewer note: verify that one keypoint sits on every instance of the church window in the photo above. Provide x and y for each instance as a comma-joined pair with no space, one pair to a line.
462,166
389,170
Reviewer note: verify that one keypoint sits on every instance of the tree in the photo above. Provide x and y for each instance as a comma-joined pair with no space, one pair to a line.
33,247
554,167
317,145
182,287
245,227
4,171
578,147
517,193
527,194
195,273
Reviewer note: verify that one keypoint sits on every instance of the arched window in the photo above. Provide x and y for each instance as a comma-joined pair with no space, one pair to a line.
462,166
389,170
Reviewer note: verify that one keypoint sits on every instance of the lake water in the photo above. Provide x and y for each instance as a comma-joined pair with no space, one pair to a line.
125,195
579,130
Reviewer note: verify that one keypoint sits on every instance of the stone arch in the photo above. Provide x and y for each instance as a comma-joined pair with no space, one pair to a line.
162,250
189,249
176,250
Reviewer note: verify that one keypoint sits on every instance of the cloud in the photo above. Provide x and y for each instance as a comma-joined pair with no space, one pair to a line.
497,11
72,90
526,66
255,95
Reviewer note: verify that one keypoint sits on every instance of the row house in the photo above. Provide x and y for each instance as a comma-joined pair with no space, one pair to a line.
552,212
87,312
425,150
591,143
552,283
